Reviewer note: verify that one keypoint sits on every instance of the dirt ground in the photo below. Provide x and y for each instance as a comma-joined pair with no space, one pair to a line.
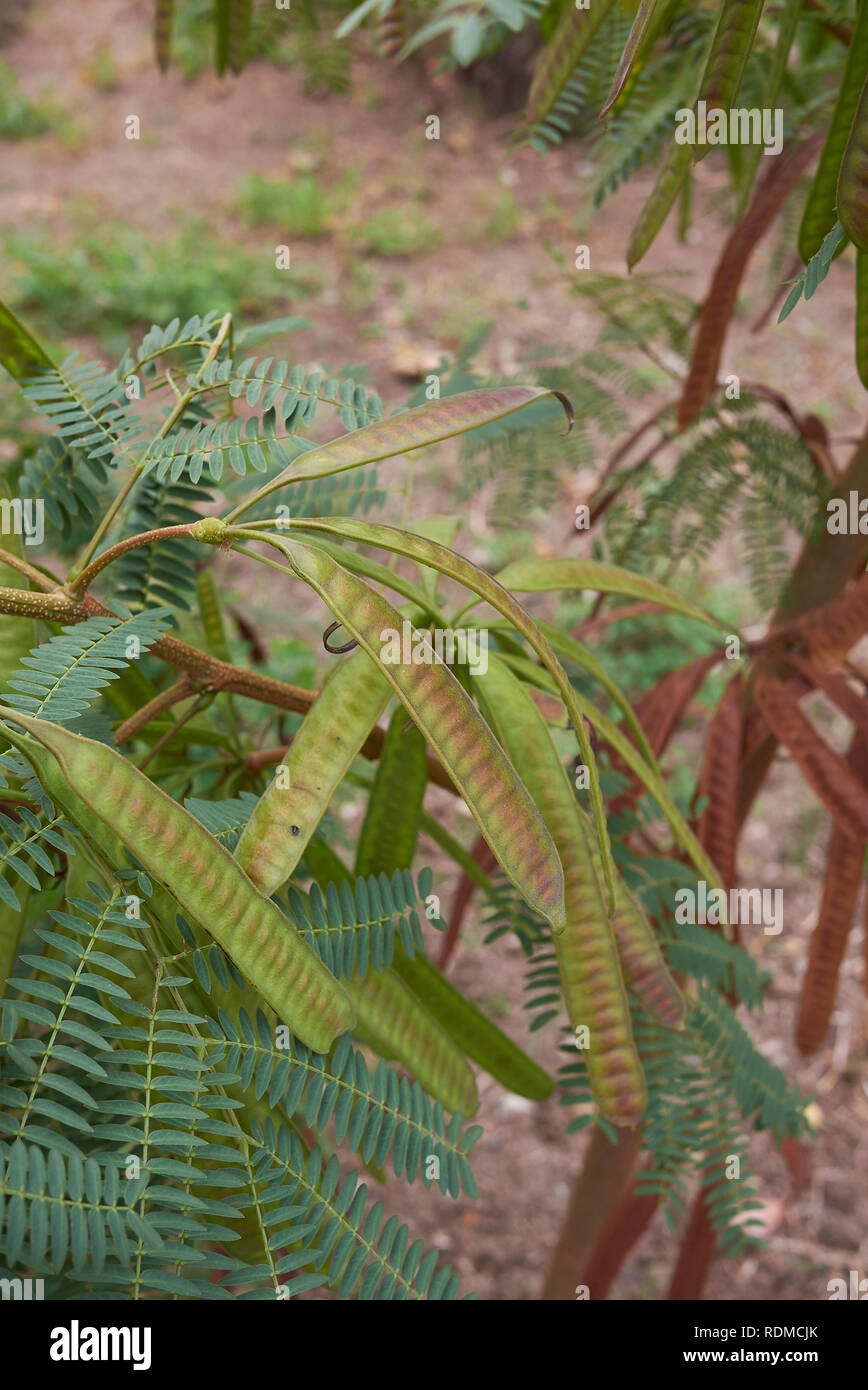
199,139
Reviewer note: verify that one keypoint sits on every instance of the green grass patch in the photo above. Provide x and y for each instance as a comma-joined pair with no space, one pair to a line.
110,278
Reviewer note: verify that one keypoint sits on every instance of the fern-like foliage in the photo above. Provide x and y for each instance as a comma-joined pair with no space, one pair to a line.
65,675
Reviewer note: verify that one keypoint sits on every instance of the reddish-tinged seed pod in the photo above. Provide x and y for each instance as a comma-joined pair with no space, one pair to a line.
853,177
818,218
645,970
495,795
587,953
332,732
207,883
392,1014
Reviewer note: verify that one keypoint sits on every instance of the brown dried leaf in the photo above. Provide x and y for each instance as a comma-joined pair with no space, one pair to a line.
825,771
844,872
826,634
720,301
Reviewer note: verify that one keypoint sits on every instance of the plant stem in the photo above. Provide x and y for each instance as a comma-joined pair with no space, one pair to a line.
598,1189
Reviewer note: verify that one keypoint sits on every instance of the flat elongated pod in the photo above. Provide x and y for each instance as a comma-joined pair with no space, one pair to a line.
410,429
387,840
862,316
587,954
208,884
853,178
537,577
820,212
438,557
331,734
645,971
734,33
389,1010
465,1024
489,784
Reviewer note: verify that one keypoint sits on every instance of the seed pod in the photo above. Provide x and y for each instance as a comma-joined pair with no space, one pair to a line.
332,732
853,177
734,33
820,212
387,839
645,971
392,1014
209,886
862,316
439,557
587,955
466,1026
411,429
496,797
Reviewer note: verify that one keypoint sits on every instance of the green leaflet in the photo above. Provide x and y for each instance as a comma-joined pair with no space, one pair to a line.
200,874
820,212
438,557
853,178
391,826
587,954
11,926
292,806
411,429
497,799
20,353
465,1024
560,55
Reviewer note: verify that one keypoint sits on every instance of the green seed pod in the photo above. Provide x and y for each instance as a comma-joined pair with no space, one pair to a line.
332,732
853,178
645,971
862,317
438,557
496,797
734,33
209,886
387,840
587,955
392,1014
466,1025
820,212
